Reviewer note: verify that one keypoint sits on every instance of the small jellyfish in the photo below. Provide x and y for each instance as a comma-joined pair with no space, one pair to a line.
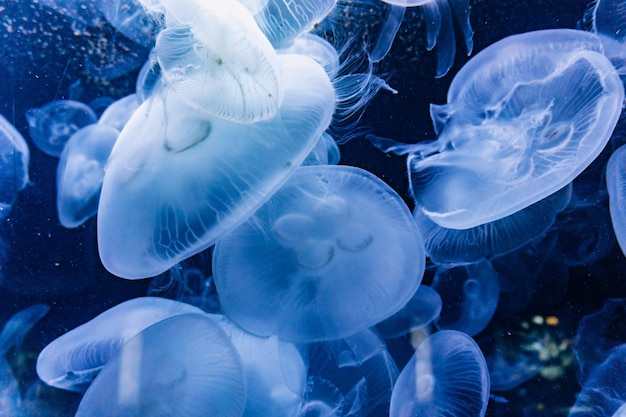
14,161
73,360
469,296
184,366
616,186
130,19
447,376
177,179
332,236
119,112
80,173
420,311
51,126
524,117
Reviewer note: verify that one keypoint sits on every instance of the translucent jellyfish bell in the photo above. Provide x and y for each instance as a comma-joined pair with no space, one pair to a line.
616,185
524,118
74,359
447,376
184,366
177,179
51,126
14,161
80,173
332,236
216,58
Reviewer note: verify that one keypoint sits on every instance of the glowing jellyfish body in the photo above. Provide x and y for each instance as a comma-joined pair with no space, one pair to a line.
524,118
216,58
14,161
183,366
332,236
616,185
74,359
80,173
51,126
177,179
447,376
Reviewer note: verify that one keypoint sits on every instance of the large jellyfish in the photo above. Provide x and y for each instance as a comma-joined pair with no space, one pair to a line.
447,376
329,232
178,179
14,161
524,117
184,366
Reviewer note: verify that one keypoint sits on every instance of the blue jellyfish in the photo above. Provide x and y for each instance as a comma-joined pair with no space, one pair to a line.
447,376
451,246
172,189
330,231
616,185
51,126
440,30
318,49
421,310
80,173
130,19
73,360
524,117
14,162
282,21
183,366
275,371
469,296
119,112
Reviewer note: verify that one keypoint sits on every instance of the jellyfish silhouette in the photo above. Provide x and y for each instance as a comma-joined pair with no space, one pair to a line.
524,117
14,163
447,376
181,366
330,231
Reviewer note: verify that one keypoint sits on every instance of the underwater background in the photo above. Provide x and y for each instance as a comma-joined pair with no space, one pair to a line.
47,56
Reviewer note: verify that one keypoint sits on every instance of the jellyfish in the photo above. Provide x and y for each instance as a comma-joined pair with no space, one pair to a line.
216,58
73,360
119,112
440,30
275,371
80,173
172,189
420,311
452,246
469,296
607,18
316,48
14,161
283,21
524,118
603,393
51,126
329,231
447,376
616,185
130,19
182,366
